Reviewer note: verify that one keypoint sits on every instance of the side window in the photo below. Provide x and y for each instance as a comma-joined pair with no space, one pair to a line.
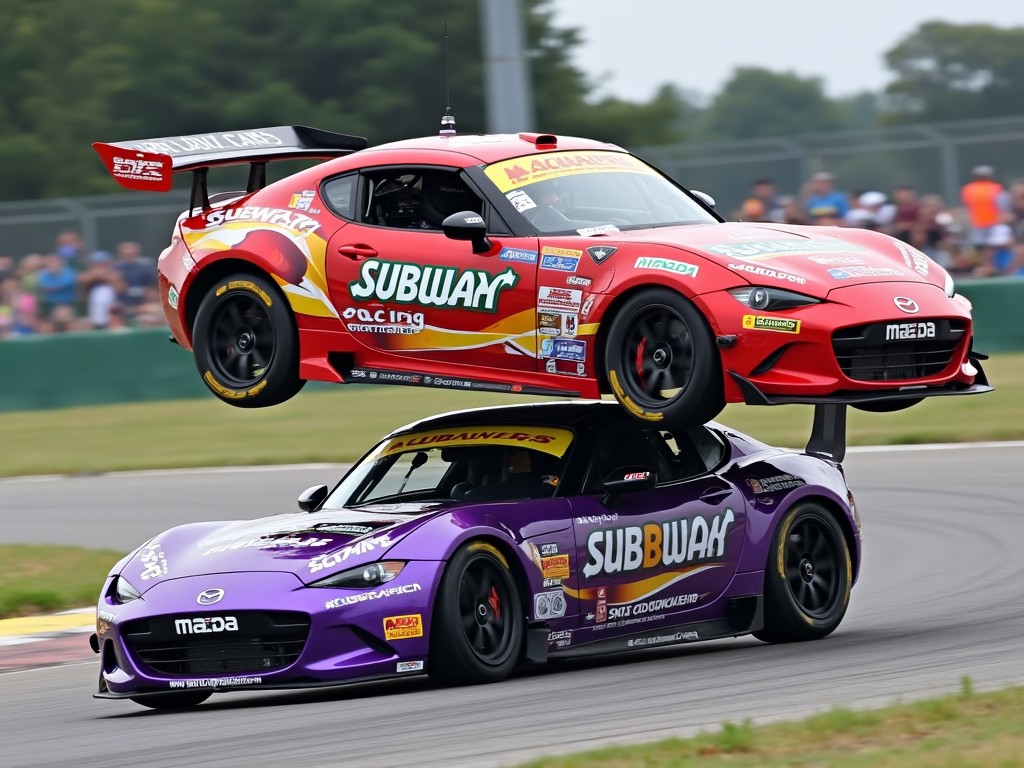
409,198
340,195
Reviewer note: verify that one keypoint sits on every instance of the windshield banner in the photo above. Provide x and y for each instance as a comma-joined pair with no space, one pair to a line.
548,440
521,171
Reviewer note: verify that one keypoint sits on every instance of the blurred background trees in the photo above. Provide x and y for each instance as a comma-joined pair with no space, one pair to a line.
73,72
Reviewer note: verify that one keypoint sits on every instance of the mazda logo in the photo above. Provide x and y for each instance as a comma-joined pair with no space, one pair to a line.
210,596
906,305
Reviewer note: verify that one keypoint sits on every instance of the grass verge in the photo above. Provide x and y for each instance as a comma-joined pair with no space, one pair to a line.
35,579
339,424
956,730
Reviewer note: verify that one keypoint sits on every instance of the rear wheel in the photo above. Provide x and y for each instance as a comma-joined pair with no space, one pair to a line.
661,361
807,583
245,343
477,630
173,700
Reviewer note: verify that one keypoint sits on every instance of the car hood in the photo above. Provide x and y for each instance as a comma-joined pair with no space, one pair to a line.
811,260
308,545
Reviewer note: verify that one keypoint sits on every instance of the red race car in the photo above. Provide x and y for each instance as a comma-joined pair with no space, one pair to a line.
537,264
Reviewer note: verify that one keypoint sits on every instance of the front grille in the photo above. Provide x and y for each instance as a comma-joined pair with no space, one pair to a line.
898,350
176,646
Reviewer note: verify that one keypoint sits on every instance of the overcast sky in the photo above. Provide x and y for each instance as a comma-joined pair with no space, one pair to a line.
633,46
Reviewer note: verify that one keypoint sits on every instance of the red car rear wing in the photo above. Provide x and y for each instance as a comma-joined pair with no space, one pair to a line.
148,164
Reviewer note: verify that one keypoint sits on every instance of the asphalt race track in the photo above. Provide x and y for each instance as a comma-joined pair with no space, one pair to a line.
940,597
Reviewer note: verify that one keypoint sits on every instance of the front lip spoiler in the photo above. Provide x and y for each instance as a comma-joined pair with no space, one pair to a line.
286,686
754,396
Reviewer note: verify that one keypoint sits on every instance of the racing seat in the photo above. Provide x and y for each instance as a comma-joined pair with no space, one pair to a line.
443,194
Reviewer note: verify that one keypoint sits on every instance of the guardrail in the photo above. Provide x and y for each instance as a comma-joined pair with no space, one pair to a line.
105,367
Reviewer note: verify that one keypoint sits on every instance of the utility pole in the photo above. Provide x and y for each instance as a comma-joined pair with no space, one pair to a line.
506,71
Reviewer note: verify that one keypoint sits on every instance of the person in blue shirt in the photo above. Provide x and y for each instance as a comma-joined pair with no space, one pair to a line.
57,285
826,205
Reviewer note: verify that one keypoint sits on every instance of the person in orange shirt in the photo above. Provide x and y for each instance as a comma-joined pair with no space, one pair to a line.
984,199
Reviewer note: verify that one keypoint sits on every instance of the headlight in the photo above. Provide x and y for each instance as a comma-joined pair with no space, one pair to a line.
124,592
949,286
364,576
771,299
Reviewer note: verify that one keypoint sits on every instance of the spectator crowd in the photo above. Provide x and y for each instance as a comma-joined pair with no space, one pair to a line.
980,235
72,290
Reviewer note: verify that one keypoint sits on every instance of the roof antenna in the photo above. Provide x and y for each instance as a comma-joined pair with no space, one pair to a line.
447,119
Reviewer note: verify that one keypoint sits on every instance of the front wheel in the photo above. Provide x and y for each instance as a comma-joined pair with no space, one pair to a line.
245,343
809,575
478,625
661,361
173,700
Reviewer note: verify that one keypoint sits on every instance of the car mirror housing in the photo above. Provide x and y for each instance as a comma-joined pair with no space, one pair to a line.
312,497
467,225
627,480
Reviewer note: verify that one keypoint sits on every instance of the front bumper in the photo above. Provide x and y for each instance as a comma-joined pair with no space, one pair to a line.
856,346
268,631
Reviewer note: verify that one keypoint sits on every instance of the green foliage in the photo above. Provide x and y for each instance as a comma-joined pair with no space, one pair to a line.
757,103
125,69
735,737
956,71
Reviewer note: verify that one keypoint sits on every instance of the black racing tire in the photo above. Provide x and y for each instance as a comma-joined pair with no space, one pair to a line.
808,579
478,623
245,342
887,406
661,361
182,700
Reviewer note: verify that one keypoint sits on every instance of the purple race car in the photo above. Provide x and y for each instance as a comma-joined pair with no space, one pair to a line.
466,544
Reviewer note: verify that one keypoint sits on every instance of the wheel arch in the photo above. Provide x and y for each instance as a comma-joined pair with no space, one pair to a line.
209,275
608,317
843,520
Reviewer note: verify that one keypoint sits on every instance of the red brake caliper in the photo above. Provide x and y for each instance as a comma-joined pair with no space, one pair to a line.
640,361
495,603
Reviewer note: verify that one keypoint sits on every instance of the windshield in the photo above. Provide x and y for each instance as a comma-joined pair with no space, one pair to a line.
591,193
474,464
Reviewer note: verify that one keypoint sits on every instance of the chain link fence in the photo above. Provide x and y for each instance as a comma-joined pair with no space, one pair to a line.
935,158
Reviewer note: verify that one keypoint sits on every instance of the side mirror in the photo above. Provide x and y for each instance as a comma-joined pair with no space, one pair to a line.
627,480
705,198
313,497
467,225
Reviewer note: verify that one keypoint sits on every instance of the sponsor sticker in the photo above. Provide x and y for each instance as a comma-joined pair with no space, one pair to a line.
518,255
293,222
216,682
779,324
559,263
269,542
403,627
602,229
409,666
548,605
569,253
302,200
553,441
642,642
154,561
568,349
578,280
363,547
559,299
520,200
363,597
653,606
846,273
913,258
774,483
767,248
201,625
555,567
389,321
650,546
667,265
549,323
757,269
600,253
548,549
521,171
430,285
172,297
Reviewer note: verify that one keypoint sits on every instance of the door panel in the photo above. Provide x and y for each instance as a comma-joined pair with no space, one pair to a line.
419,294
659,558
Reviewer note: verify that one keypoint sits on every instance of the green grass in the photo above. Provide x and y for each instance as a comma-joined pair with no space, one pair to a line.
340,423
43,579
964,729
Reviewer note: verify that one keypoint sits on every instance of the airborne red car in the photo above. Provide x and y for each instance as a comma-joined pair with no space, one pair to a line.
537,264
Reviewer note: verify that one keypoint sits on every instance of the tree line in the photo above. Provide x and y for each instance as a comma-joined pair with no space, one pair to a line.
72,73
